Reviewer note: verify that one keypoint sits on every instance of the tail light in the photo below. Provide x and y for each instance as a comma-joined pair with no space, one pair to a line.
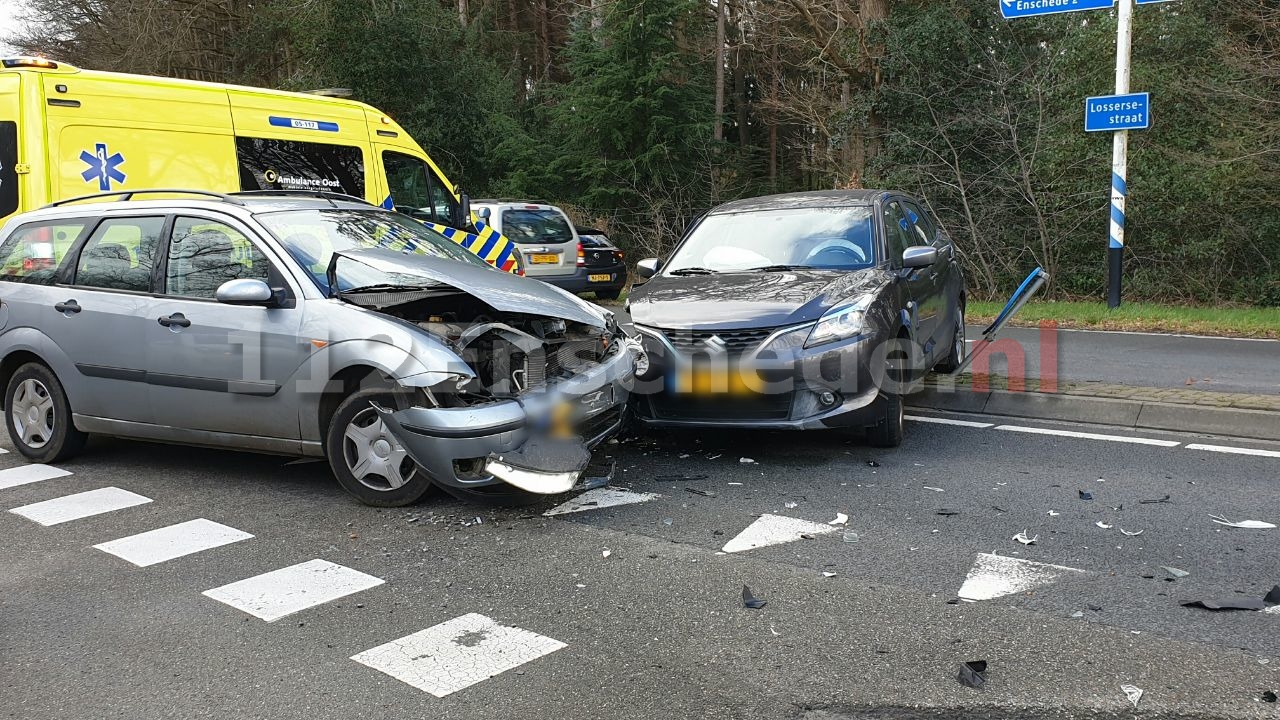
582,257
618,255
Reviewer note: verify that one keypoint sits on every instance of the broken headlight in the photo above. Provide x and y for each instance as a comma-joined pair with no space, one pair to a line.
636,346
840,323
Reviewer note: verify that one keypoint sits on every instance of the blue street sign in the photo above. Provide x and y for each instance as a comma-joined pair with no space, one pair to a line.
1117,112
1030,8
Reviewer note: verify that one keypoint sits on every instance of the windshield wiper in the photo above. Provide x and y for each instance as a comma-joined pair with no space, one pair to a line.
692,271
780,268
388,287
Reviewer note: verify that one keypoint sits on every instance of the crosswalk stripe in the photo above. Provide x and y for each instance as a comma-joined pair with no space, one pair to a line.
24,474
457,653
282,592
774,530
174,541
80,505
600,498
1090,436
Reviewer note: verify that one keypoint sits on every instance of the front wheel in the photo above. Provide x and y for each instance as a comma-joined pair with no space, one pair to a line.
959,348
889,431
39,417
368,461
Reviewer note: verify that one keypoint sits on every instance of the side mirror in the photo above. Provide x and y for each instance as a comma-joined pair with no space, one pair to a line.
463,220
918,257
484,214
648,267
245,291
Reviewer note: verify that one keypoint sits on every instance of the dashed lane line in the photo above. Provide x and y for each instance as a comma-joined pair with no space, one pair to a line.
25,474
282,592
1090,436
1233,450
174,541
457,654
80,505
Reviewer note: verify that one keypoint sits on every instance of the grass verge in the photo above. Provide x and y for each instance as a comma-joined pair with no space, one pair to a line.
1141,317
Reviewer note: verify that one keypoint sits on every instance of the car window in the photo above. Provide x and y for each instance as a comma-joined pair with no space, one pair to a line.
921,226
898,233
204,254
536,226
120,253
8,167
826,238
32,253
415,190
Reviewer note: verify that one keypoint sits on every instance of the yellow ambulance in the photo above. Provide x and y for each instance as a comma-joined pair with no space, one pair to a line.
67,132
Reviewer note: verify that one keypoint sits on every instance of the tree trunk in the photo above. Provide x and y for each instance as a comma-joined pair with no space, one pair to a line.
718,132
740,99
462,13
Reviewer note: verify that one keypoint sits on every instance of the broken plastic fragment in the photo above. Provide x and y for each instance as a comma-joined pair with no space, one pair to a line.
606,553
790,505
1164,499
696,491
1227,604
841,519
679,478
1175,572
973,674
1131,534
935,489
945,512
1103,525
1022,538
751,601
873,463
828,574
1273,597
1053,513
1085,495
850,536
746,461
1078,614
1132,692
1269,696
1244,524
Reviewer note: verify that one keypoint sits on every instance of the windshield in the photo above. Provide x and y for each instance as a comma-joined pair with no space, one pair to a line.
313,236
822,238
536,226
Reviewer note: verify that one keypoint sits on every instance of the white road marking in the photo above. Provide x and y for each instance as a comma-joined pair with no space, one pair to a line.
1233,450
80,505
23,474
994,576
948,421
282,592
457,653
774,530
600,498
1089,436
167,543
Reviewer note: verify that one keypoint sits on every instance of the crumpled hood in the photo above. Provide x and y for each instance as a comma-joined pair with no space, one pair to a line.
502,291
731,301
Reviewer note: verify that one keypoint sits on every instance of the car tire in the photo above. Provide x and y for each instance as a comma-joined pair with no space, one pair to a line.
959,348
889,431
39,417
608,294
368,461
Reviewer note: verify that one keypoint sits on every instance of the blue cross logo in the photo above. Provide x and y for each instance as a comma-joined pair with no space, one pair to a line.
102,167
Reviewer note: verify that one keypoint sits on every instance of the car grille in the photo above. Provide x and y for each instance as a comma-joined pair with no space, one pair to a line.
702,407
736,342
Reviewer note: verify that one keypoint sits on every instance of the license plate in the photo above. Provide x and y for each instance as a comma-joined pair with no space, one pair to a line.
544,259
602,277
711,381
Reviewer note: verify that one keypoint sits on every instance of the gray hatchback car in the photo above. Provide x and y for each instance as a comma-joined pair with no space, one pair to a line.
301,324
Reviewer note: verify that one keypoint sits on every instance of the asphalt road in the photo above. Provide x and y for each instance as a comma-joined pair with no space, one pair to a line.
1148,360
647,609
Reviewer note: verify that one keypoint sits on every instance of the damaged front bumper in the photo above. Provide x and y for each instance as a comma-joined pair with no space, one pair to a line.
507,441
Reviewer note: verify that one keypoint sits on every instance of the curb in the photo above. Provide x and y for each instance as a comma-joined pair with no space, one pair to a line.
1139,415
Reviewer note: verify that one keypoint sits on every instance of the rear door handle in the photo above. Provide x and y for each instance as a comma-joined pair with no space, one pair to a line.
69,307
177,319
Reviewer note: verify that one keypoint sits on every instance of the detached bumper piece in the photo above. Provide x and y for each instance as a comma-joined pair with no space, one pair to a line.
542,465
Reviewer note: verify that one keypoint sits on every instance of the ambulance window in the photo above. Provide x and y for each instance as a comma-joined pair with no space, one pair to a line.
33,252
203,254
119,254
415,189
8,163
296,165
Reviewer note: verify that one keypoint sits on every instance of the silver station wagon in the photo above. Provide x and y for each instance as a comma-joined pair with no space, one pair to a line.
302,324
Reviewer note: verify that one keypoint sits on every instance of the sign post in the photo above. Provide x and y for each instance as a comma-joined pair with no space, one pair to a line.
1120,160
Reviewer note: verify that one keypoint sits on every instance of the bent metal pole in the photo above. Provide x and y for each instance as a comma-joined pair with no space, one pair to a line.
1119,160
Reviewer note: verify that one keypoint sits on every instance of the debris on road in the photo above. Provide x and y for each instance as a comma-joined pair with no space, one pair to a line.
750,601
1022,538
1131,534
997,508
850,536
1132,692
1243,524
1227,604
873,463
841,519
935,489
1273,597
1078,614
1103,525
946,512
1269,696
746,461
680,478
1053,513
1156,501
697,491
1175,572
1085,495
790,505
828,574
606,553
973,674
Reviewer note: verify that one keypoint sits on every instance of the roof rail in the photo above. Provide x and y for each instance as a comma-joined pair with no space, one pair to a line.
125,195
330,196
492,201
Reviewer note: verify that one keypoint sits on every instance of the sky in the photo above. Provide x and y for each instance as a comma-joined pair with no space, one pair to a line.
9,10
